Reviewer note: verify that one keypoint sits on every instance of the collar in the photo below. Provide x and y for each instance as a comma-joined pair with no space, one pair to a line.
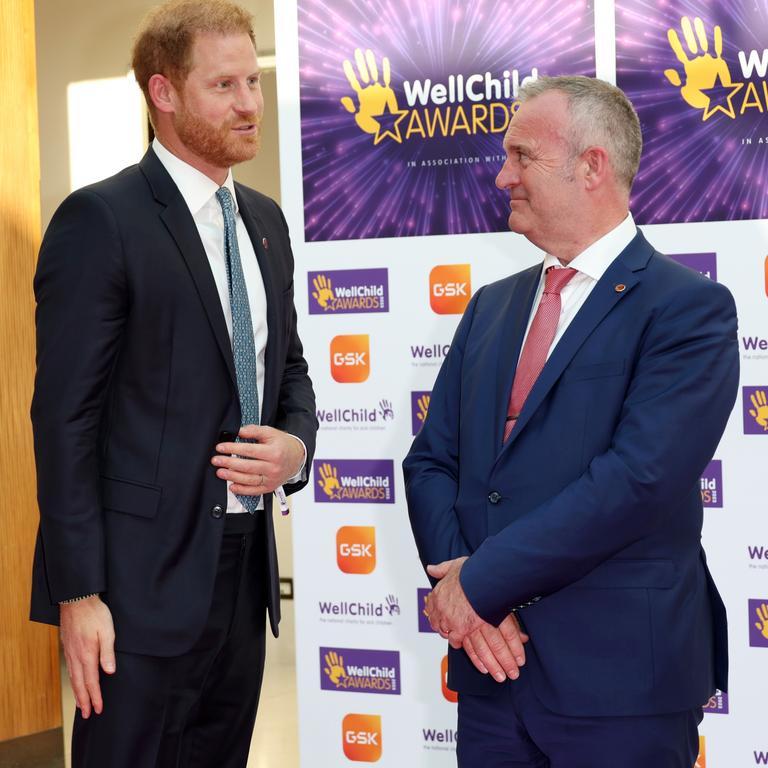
195,187
595,260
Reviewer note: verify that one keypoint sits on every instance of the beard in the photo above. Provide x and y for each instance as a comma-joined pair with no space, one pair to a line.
218,145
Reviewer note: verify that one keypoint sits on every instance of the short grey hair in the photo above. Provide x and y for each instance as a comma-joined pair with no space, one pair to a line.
601,115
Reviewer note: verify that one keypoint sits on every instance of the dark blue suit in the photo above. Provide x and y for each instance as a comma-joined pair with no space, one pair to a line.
593,505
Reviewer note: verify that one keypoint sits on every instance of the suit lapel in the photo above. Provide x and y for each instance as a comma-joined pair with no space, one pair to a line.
258,234
617,282
511,338
179,222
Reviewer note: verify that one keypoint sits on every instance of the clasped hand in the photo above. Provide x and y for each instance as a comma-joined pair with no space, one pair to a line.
493,650
257,468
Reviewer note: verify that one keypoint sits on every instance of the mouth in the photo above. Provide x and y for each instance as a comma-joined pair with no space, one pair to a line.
245,130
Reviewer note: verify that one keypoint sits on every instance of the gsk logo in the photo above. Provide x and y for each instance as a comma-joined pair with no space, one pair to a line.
350,358
450,695
356,548
361,737
766,275
701,760
450,288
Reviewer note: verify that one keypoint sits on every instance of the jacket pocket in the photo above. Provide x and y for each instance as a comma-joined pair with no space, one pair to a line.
130,497
628,574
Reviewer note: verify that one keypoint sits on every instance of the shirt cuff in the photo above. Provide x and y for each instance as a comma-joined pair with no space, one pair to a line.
301,475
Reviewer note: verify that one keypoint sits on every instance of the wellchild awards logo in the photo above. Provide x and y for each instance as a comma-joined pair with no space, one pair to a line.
712,484
354,481
348,291
758,623
359,671
755,410
419,408
697,73
401,129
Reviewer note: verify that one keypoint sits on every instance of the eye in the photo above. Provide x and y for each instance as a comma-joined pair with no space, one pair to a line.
222,85
254,81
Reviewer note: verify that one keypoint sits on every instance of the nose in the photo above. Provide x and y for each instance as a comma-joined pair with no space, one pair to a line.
508,176
249,100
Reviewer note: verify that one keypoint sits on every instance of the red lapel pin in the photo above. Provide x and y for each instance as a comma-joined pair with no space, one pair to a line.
265,243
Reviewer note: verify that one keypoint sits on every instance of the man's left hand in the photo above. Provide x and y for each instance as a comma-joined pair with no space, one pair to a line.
449,612
258,467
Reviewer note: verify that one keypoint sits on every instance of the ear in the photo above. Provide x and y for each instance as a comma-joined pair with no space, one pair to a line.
596,167
163,93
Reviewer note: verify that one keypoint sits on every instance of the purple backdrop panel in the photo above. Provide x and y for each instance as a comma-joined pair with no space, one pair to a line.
695,71
404,104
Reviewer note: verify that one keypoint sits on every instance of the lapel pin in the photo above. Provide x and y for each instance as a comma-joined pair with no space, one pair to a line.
620,288
265,243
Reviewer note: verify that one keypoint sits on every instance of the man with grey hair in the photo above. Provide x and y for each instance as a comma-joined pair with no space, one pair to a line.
553,490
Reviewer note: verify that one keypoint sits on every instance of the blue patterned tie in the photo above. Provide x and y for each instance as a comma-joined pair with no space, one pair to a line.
243,346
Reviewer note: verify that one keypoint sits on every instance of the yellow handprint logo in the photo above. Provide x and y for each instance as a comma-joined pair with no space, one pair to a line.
760,410
334,667
423,405
703,71
377,111
329,481
323,293
762,623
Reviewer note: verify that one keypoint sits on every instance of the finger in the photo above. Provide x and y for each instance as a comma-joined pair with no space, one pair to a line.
673,77
718,41
508,630
473,657
371,61
350,73
500,650
107,652
688,33
243,489
455,638
701,34
387,71
91,679
246,466
677,46
487,657
361,68
79,691
246,479
257,432
438,571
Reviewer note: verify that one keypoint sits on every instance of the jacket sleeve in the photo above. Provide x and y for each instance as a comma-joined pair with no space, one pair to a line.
431,467
82,305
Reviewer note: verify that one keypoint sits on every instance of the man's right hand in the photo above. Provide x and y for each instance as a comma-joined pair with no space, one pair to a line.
88,637
497,651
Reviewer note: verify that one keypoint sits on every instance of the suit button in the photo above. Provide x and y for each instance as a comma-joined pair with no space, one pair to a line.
494,497
217,511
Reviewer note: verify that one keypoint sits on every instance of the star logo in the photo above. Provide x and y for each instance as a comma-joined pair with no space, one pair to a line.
720,99
389,125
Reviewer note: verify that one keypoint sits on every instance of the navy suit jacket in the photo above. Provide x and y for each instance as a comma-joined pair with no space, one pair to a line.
593,506
135,382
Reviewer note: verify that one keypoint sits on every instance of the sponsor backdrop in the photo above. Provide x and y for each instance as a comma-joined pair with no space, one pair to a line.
391,120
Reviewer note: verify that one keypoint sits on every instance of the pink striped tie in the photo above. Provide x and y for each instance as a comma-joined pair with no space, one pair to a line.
537,343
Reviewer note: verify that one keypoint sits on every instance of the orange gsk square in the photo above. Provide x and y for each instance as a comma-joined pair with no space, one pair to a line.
356,548
450,288
450,695
701,760
350,358
361,737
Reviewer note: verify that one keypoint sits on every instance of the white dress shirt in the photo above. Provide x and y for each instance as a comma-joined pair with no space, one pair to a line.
199,193
591,265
